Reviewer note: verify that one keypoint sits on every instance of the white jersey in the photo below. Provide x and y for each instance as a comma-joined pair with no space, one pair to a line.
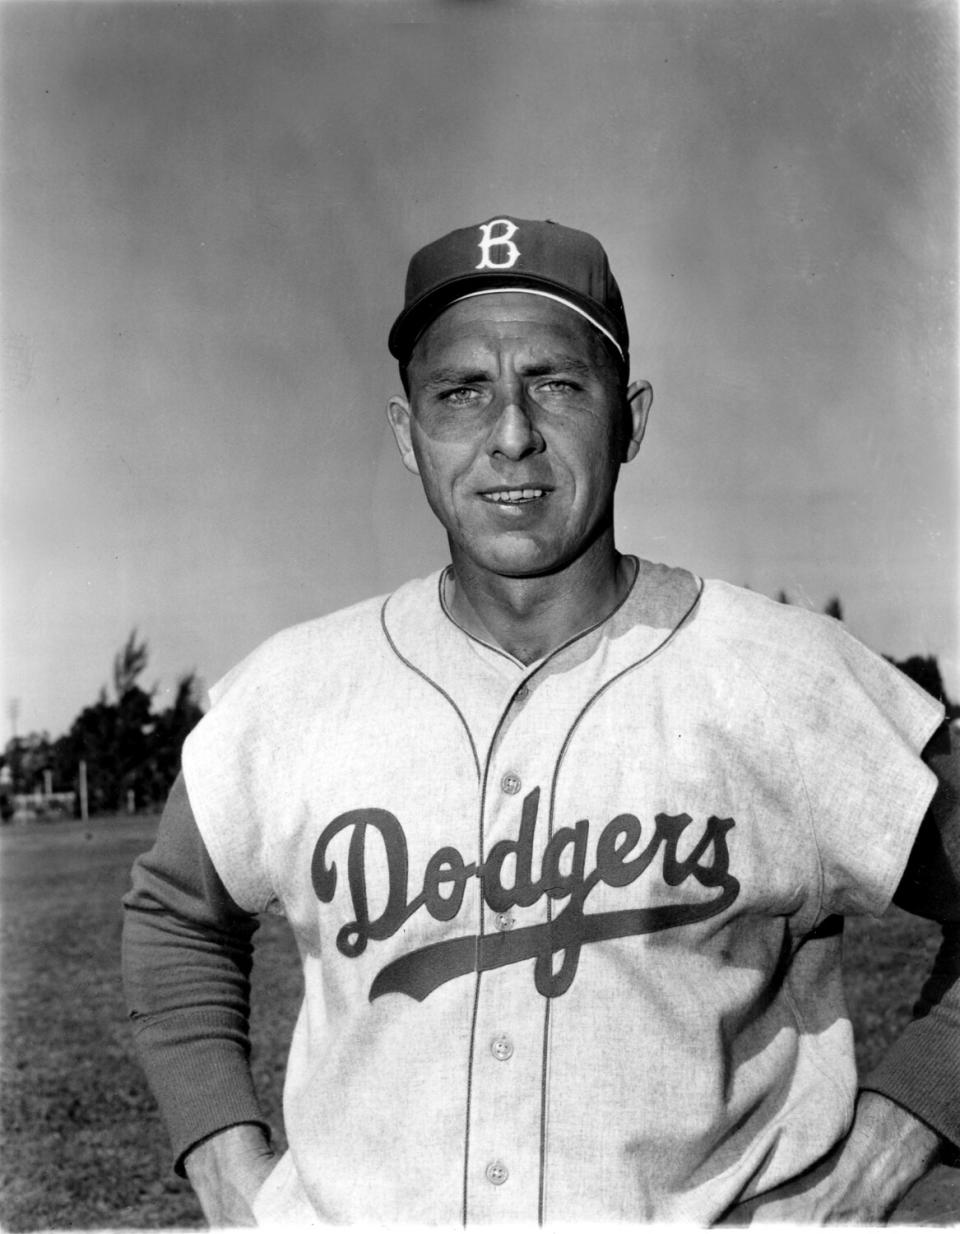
565,927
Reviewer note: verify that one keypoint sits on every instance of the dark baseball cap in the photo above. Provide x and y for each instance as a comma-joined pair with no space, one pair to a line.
511,254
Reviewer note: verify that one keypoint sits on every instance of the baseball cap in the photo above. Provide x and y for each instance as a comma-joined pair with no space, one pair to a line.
511,254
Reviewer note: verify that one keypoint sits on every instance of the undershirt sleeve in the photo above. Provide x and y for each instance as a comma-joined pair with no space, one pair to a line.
187,954
921,1070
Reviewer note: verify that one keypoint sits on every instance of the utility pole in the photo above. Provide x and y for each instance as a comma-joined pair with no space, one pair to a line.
83,790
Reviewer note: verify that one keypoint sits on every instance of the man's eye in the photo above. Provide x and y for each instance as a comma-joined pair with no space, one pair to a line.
459,396
558,385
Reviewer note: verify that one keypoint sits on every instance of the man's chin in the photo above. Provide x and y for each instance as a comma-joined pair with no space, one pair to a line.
523,560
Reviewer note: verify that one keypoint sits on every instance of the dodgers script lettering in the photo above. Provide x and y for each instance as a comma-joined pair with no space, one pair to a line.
620,857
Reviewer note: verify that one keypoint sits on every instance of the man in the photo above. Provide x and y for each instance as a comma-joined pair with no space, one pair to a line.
564,837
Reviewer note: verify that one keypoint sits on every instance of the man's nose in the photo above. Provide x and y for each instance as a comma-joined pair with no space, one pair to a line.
515,435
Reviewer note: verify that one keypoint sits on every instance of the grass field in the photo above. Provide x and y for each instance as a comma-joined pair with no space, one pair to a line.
82,1144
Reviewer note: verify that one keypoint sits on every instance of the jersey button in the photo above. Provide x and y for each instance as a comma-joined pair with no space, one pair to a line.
497,1173
510,783
503,921
523,693
501,1048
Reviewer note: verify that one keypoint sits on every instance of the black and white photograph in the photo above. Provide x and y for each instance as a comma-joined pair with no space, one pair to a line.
479,613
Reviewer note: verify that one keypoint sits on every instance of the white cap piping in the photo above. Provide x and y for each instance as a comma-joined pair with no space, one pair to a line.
547,295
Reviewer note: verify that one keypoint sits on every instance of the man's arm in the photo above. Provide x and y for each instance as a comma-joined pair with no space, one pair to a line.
916,1072
930,886
228,1170
909,1109
187,953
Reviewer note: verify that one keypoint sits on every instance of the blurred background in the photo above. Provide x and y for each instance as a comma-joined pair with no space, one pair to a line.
207,210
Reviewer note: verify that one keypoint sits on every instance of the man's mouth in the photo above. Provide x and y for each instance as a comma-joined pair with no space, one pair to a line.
513,496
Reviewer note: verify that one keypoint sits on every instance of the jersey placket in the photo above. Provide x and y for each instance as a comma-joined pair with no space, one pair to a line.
504,1158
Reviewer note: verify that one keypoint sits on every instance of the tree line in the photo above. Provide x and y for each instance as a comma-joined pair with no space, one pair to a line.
132,751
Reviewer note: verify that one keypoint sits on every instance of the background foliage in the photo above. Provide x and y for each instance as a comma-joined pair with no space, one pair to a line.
128,747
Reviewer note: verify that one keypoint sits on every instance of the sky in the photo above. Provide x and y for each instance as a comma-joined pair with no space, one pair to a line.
207,211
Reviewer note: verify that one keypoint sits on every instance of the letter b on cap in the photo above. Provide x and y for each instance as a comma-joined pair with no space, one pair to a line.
498,240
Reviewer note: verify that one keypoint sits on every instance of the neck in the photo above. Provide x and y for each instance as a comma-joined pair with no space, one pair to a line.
529,617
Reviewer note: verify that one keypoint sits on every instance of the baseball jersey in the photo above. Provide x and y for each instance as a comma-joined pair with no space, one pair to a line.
566,928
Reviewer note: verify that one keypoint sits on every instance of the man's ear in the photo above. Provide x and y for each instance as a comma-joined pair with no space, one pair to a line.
398,413
639,402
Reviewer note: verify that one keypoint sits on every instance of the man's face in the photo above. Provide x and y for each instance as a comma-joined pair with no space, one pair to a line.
517,426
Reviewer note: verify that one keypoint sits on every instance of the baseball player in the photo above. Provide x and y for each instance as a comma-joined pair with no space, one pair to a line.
565,839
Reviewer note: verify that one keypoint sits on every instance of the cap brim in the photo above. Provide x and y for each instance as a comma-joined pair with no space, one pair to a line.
416,317
546,295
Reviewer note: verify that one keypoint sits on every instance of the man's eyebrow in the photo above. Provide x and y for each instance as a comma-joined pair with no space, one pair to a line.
453,376
559,363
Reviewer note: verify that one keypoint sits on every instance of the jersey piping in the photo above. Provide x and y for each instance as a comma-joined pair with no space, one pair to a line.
550,817
484,779
441,597
430,682
536,664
